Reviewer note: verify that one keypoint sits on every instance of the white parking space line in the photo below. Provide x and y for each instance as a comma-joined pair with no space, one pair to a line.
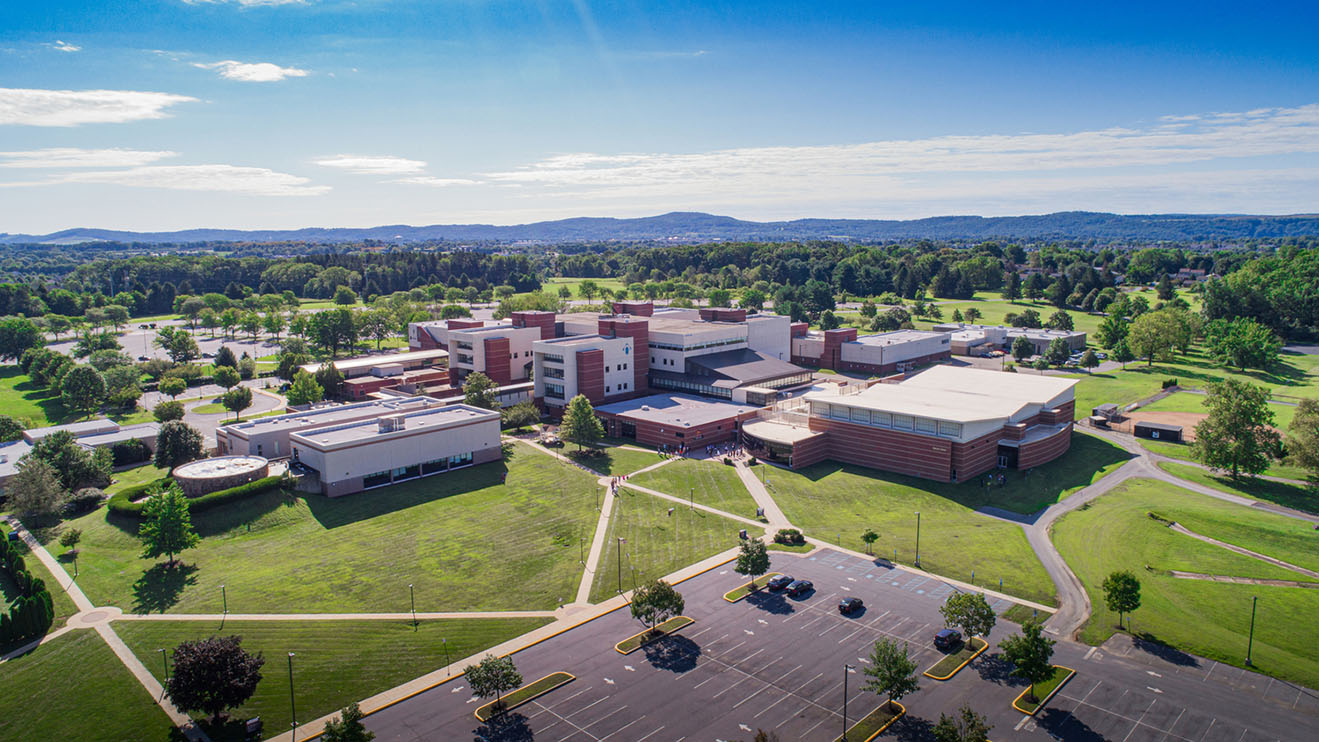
648,736
625,726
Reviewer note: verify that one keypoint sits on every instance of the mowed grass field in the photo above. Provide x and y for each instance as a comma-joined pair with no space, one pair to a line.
1298,496
656,543
1185,452
1210,619
1192,402
335,662
74,688
709,483
23,401
551,286
466,540
616,460
831,501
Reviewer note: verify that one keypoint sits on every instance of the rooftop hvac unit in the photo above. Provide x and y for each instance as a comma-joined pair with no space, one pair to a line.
390,423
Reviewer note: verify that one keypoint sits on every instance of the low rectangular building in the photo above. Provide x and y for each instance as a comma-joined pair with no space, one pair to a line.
979,339
675,420
386,364
879,354
361,455
269,436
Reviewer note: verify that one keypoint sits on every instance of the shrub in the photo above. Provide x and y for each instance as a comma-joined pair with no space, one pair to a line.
123,502
84,500
789,537
728,461
129,452
1169,383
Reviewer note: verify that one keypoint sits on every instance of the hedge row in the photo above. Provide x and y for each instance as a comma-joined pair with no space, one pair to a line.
34,611
122,503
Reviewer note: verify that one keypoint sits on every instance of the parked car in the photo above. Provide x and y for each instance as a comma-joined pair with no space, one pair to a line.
551,440
848,606
780,582
947,639
800,587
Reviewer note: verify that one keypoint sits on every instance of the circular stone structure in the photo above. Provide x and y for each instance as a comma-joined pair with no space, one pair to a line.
204,476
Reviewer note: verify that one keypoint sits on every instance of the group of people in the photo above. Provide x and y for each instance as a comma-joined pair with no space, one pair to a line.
731,450
667,452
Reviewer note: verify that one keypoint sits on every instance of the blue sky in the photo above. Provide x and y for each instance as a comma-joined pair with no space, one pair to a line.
171,114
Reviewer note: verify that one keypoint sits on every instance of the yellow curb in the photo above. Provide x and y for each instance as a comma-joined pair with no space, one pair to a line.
901,710
528,699
618,647
958,669
765,577
1040,705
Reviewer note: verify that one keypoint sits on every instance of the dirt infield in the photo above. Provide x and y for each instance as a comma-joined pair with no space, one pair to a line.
1188,421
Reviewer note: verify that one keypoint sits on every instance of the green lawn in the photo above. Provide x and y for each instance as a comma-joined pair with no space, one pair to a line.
452,535
209,409
335,662
993,308
616,460
829,501
22,400
74,688
1210,619
64,606
1191,402
135,417
714,484
1298,496
551,285
133,477
1185,452
657,543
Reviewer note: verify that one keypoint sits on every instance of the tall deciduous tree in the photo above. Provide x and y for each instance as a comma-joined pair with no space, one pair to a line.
82,389
1031,654
17,335
1121,593
1152,336
167,525
212,675
1022,349
493,676
34,489
580,425
965,726
892,671
481,391
969,612
1237,436
177,443
1111,331
1242,342
237,399
1303,437
656,602
304,389
227,377
348,727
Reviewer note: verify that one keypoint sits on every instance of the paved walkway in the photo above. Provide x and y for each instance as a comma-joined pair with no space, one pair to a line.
1179,528
773,513
432,616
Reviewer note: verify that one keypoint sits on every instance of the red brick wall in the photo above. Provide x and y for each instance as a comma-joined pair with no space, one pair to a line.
637,308
810,451
591,375
831,357
425,341
542,320
723,314
655,434
497,360
976,457
1062,414
463,324
1043,451
889,450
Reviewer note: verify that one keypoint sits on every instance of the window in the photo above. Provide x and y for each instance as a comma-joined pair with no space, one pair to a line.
461,459
551,357
882,419
606,369
554,391
819,409
902,422
861,416
550,372
607,389
379,479
839,412
926,425
951,430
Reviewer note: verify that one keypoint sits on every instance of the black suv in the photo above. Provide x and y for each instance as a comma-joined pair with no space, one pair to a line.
800,587
848,606
779,582
947,639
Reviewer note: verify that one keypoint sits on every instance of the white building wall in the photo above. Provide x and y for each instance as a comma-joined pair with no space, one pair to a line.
618,352
397,452
879,354
769,334
808,347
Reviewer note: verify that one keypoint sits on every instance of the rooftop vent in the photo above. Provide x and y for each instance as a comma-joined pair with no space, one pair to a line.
390,423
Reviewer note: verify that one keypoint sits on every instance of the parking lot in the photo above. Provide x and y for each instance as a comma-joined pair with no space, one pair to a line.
779,664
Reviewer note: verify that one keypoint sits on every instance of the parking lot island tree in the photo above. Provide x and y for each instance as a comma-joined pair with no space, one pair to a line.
752,560
493,676
964,726
1031,654
656,602
891,671
969,612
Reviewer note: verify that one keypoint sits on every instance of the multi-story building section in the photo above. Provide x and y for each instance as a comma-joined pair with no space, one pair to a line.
946,423
500,351
388,364
598,367
882,354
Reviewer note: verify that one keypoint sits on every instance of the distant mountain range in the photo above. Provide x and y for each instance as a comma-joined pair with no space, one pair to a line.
693,227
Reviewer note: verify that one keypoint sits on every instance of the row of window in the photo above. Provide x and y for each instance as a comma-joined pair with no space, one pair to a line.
551,372
699,346
551,357
879,419
621,367
426,468
621,387
662,361
464,358
463,345
684,385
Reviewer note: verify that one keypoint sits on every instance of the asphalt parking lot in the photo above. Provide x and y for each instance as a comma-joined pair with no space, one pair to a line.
778,663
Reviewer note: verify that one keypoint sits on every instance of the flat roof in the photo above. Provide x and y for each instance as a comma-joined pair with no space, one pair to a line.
897,336
87,427
381,360
220,466
10,453
328,415
132,432
686,326
955,394
778,432
427,420
744,366
677,410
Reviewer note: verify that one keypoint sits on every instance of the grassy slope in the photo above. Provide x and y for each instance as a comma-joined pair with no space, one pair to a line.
452,535
657,543
1296,496
64,606
715,485
1187,453
1206,618
133,477
75,688
616,461
830,499
336,662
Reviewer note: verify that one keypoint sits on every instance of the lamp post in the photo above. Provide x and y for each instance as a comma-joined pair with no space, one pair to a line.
621,541
581,550
293,711
413,595
918,538
224,597
445,642
164,660
846,669
1254,602
691,498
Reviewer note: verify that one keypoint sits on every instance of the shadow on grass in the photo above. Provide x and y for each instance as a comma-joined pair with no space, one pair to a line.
1151,645
159,587
675,653
507,727
343,511
771,602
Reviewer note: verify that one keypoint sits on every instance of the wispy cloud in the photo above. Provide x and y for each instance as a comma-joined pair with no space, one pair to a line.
254,181
246,3
31,107
430,180
251,71
64,46
373,165
72,157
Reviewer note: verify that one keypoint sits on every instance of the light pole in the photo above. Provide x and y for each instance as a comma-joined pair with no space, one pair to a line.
691,498
1254,601
164,660
621,541
224,597
445,642
846,669
581,550
413,595
292,709
918,538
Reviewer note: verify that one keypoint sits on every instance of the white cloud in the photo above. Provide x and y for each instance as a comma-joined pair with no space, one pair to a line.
32,107
373,165
255,181
72,157
246,3
64,46
430,180
252,71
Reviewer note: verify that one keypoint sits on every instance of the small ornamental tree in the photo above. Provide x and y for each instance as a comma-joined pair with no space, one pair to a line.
304,389
481,391
752,559
227,377
892,671
870,537
1122,353
348,727
965,726
212,675
1031,653
969,612
493,676
168,410
1121,593
173,386
1089,360
656,602
521,415
70,538
167,525
1058,352
237,399
177,443
580,425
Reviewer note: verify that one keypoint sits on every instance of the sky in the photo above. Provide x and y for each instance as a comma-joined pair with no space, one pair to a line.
265,114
